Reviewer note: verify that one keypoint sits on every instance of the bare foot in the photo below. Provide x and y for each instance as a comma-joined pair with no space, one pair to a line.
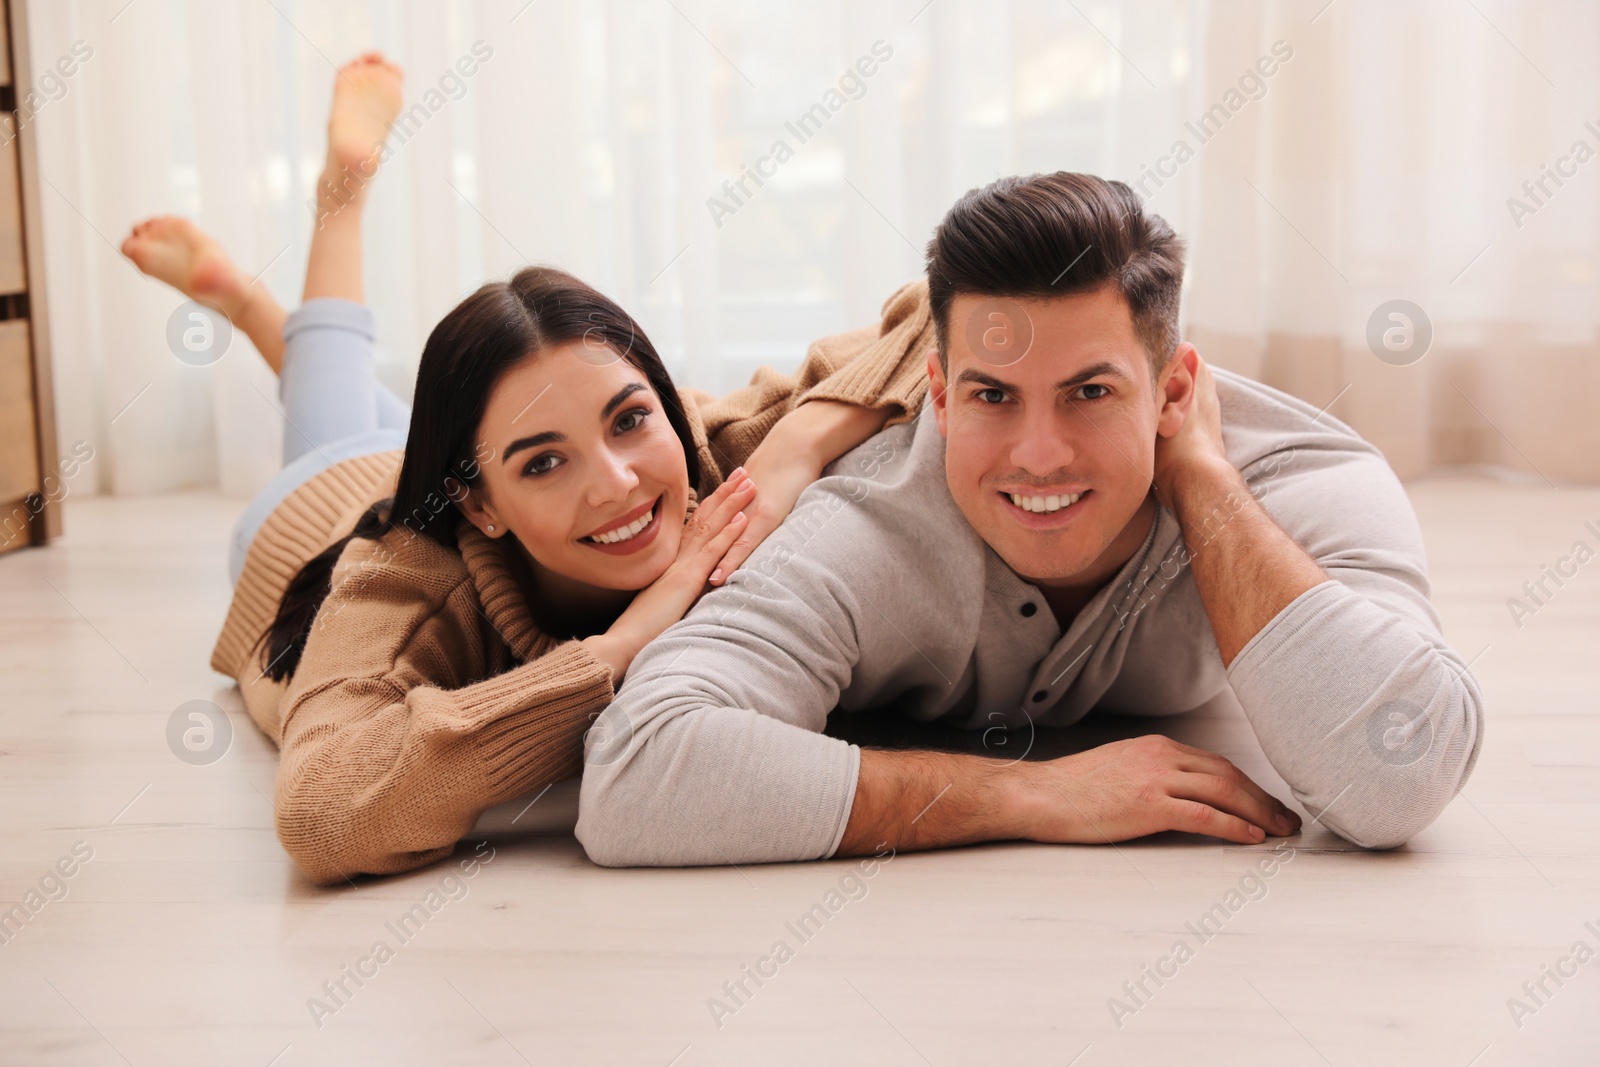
366,99
176,251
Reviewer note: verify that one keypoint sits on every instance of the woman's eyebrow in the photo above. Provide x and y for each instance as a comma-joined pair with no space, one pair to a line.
521,443
622,394
552,436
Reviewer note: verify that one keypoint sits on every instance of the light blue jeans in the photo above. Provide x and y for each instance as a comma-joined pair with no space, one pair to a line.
333,407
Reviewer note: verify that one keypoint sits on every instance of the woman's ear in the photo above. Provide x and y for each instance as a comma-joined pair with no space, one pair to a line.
1175,389
479,510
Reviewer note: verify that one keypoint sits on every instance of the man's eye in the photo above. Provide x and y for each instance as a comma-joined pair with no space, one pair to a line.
991,396
1105,391
543,464
631,420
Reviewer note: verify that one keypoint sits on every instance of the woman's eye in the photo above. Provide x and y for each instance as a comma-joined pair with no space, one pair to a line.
991,396
1105,391
631,420
543,464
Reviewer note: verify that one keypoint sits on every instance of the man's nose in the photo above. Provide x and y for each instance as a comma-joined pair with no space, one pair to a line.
1044,443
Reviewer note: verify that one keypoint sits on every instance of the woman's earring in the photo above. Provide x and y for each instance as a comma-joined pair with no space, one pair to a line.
491,527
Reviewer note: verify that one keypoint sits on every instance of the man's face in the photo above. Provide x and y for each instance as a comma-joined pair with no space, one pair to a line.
1050,417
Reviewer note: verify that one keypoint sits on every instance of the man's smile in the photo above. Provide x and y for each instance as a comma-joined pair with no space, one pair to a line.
1044,511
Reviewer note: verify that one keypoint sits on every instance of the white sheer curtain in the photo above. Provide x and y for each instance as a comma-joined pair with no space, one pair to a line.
1339,156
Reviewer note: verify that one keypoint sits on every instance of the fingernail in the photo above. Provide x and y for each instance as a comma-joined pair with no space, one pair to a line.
716,576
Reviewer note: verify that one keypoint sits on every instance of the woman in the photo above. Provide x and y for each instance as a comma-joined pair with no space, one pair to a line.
428,633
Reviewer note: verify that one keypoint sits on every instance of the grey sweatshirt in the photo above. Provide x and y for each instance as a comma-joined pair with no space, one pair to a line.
876,593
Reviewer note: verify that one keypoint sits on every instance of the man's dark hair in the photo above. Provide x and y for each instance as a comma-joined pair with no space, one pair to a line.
1054,235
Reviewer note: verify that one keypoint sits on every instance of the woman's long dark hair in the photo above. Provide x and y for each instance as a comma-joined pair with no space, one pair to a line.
486,335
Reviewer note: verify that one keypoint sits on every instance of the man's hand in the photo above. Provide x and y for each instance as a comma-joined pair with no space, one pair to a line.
1197,444
1245,567
1148,784
1127,789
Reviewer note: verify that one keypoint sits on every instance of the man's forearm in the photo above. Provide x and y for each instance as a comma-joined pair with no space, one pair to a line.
1246,568
1127,789
918,800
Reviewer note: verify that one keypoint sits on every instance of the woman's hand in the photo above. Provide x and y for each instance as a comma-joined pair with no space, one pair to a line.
714,529
789,459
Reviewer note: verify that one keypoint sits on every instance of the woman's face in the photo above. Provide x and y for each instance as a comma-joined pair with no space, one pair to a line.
583,468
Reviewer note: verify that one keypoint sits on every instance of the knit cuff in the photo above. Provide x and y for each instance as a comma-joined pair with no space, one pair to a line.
891,372
898,387
534,717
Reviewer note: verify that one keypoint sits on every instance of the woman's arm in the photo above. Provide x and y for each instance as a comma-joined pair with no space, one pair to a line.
882,367
785,429
790,458
398,732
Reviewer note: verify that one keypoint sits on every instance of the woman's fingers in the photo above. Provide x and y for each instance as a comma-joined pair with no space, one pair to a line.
717,548
762,522
714,512
708,506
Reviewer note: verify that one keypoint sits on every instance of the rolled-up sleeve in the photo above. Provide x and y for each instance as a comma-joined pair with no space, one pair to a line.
713,750
1363,707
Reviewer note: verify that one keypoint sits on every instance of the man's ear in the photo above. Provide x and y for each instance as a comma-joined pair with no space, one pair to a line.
1175,389
475,505
936,394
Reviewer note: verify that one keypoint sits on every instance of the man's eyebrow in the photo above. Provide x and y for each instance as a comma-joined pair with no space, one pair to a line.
1094,370
521,443
988,381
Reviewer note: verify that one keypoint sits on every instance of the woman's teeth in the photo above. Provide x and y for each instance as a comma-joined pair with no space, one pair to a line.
625,533
1045,504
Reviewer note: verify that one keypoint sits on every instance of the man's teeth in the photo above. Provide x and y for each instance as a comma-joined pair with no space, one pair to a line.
1045,504
627,532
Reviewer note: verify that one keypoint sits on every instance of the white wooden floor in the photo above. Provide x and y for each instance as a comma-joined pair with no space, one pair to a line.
188,938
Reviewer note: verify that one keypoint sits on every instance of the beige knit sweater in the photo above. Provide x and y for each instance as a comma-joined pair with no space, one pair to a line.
426,694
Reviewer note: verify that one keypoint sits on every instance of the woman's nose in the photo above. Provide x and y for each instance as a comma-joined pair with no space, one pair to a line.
616,478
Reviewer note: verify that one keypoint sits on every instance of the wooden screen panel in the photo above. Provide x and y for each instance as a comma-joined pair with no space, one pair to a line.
13,273
5,45
19,451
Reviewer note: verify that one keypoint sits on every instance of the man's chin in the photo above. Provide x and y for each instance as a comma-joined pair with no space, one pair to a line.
1042,566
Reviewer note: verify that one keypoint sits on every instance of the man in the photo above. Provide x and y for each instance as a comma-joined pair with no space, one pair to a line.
1084,516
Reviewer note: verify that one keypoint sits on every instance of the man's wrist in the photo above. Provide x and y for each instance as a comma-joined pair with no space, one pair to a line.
1018,801
917,799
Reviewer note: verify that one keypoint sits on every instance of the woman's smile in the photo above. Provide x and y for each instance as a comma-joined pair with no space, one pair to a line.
631,532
